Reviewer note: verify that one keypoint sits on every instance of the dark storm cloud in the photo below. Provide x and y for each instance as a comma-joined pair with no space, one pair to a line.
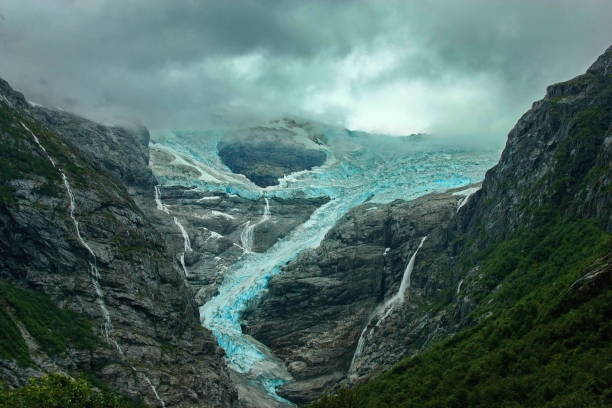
457,68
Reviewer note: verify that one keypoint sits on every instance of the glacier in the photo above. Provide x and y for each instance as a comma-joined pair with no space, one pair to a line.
360,167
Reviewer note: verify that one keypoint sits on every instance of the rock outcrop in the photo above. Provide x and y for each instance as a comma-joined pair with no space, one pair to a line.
70,229
331,315
314,312
220,228
266,154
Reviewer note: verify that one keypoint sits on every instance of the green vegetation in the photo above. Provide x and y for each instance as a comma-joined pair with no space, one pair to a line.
12,345
16,158
575,156
536,348
59,391
53,328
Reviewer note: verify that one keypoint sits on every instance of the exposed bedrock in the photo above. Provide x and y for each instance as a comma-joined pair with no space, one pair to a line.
66,172
556,164
264,162
217,227
313,313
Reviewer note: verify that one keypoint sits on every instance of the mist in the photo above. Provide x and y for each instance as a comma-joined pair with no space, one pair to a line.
463,71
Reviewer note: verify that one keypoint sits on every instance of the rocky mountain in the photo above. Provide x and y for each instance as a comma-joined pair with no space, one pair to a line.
314,312
264,154
491,294
89,286
377,290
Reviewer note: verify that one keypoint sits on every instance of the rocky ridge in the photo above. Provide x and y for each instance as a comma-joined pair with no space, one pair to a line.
556,164
114,270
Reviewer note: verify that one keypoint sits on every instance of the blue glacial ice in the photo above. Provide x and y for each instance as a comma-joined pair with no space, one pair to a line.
359,168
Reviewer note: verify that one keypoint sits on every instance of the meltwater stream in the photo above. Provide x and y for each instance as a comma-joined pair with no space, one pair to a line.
359,168
94,273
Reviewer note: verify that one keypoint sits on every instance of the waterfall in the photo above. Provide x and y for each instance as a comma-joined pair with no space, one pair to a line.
186,240
468,193
182,259
459,286
148,381
94,273
160,206
186,244
247,234
396,300
401,293
360,345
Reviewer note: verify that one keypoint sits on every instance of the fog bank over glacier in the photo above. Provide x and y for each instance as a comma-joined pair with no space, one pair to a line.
463,70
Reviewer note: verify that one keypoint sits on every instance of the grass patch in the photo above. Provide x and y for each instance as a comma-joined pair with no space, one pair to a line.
58,391
12,344
53,328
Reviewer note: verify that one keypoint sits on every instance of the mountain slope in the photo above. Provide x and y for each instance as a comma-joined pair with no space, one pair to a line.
71,232
522,260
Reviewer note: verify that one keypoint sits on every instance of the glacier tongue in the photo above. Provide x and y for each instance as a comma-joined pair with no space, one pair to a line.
359,168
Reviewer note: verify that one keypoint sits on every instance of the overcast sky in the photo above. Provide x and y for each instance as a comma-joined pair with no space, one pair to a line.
451,67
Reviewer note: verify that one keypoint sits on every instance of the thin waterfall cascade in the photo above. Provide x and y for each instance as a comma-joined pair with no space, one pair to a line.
186,245
400,296
160,206
148,381
94,273
360,345
468,194
381,313
247,235
459,286
186,240
182,260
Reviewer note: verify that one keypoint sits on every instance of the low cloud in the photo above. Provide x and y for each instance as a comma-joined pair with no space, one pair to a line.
463,69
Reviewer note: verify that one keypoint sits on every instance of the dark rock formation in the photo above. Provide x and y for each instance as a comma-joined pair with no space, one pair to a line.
156,343
314,312
557,161
122,151
265,162
215,224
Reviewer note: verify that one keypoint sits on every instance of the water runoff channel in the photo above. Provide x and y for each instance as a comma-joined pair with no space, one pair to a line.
356,170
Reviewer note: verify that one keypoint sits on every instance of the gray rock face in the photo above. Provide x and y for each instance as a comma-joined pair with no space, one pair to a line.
156,343
216,224
558,157
123,152
264,163
558,153
315,311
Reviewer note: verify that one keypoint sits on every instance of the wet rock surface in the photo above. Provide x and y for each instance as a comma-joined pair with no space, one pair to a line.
156,343
314,312
558,156
264,162
215,224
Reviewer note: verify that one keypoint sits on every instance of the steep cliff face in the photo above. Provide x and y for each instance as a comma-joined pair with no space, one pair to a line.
121,151
69,229
315,311
208,232
507,242
557,156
